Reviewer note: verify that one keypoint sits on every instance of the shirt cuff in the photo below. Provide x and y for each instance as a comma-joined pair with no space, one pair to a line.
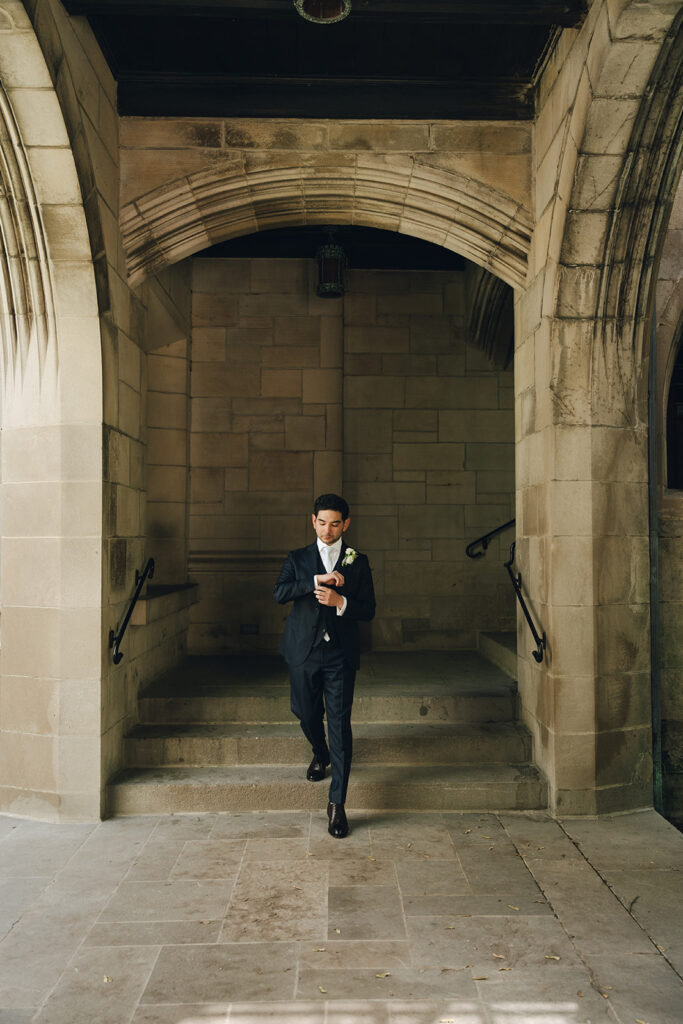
342,607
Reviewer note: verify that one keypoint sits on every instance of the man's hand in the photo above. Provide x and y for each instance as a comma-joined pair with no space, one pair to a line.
328,597
333,579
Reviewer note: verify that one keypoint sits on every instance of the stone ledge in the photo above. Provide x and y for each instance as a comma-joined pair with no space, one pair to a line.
162,600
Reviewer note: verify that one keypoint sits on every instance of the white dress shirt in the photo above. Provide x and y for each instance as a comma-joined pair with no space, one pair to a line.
330,555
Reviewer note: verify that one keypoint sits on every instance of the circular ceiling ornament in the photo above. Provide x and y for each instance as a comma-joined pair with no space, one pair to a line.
323,12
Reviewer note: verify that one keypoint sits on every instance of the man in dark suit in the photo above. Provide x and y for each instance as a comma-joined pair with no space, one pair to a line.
331,587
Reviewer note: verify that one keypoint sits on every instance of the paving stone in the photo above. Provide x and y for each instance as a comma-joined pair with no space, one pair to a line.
649,896
640,987
301,1012
618,841
30,852
168,901
479,941
491,869
16,896
100,984
403,983
415,878
597,921
209,858
207,1013
364,871
382,954
266,825
469,904
258,971
156,861
564,994
184,826
278,900
152,933
461,1011
365,912
275,849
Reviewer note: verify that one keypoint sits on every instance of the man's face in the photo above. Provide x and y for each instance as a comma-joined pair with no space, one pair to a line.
329,525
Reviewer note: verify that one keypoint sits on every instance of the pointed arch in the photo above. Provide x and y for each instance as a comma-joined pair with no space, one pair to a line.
394,193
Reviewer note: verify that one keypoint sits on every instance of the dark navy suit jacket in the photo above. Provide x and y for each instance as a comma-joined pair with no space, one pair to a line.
295,583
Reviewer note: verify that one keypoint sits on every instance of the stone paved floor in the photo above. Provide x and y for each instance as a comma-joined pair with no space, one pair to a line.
414,919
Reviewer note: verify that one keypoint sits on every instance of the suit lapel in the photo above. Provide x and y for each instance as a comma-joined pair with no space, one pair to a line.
314,561
341,556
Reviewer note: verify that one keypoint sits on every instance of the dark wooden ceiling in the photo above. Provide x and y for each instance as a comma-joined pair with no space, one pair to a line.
460,59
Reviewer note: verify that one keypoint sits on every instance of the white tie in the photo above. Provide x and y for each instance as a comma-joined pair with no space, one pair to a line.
328,558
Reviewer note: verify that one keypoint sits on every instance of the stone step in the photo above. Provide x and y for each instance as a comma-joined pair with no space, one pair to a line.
456,686
501,650
283,743
284,787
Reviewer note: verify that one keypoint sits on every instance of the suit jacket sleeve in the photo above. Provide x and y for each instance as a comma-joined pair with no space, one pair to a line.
289,586
361,596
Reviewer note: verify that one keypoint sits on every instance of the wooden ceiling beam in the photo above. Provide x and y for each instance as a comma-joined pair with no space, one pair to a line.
154,95
566,13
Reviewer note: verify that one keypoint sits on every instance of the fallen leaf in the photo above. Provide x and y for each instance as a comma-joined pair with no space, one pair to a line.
321,989
638,1021
539,901
338,931
426,856
551,956
298,887
205,922
107,980
497,956
486,837
491,847
372,858
387,974
662,949
408,845
449,927
580,994
512,907
504,968
308,853
480,977
467,831
604,995
319,949
447,1020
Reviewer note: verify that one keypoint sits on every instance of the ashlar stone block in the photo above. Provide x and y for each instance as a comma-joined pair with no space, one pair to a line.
278,470
448,457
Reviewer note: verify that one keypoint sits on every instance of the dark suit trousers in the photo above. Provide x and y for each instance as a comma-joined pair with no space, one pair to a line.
324,684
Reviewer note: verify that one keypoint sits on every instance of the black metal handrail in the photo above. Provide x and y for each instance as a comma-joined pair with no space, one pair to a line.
140,579
484,541
517,584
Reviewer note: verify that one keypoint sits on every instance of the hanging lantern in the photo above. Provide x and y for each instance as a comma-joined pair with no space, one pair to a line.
331,266
323,12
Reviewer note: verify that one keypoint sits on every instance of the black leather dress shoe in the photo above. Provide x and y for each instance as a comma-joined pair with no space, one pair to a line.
316,770
339,826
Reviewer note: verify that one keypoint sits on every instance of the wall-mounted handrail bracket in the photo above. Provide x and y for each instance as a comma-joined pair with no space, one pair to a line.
485,540
517,585
116,638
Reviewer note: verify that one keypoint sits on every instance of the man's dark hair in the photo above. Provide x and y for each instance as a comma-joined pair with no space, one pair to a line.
331,502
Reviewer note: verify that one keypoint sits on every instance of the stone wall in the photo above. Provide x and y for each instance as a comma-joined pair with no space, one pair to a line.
282,382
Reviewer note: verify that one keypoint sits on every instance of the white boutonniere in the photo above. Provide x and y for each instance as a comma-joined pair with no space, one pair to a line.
350,557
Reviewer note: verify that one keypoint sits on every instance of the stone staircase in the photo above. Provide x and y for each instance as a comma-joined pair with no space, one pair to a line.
433,730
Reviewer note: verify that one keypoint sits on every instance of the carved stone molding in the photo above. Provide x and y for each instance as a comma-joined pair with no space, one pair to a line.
394,193
27,319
